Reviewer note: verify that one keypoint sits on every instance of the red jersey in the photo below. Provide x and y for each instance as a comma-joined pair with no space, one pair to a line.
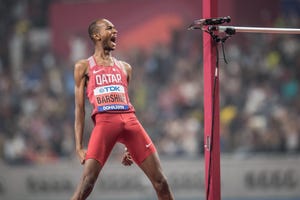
107,88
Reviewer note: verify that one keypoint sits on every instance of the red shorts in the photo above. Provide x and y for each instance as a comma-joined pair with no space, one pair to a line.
125,128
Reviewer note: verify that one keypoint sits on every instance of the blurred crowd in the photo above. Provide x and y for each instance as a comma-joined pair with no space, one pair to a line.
259,92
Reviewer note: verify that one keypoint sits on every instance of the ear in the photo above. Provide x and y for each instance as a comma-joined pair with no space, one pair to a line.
97,36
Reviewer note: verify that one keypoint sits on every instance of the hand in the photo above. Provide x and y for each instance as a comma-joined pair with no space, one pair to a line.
81,155
127,159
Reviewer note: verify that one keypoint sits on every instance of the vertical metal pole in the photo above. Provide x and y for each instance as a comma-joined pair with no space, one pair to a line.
211,108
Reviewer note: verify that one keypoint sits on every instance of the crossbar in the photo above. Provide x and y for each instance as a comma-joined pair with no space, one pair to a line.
260,29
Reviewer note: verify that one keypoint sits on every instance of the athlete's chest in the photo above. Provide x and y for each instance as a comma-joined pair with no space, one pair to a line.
107,75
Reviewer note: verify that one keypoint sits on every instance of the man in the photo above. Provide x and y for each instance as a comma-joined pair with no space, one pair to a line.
105,81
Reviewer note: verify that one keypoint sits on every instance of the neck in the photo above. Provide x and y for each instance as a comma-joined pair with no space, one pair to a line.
103,56
101,53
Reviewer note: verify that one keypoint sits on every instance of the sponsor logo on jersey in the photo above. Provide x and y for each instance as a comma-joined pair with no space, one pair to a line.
109,89
112,107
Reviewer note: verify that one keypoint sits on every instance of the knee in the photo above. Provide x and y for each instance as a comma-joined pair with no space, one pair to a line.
85,187
88,181
161,185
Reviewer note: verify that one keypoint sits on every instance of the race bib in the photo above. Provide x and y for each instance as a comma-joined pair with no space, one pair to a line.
110,98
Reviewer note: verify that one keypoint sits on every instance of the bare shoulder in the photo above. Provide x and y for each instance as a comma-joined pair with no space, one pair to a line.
81,66
127,67
80,72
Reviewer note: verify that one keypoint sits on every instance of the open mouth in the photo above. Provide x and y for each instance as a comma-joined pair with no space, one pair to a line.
113,39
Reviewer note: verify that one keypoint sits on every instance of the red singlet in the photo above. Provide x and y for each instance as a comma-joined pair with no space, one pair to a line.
107,88
113,115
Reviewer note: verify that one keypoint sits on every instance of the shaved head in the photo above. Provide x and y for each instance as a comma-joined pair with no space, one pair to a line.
94,28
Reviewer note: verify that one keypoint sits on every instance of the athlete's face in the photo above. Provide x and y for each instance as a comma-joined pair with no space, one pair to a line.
108,35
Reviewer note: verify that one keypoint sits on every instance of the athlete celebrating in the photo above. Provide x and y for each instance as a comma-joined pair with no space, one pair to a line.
105,80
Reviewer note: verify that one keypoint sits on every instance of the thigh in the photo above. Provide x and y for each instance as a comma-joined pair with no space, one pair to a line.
103,138
92,169
136,139
152,167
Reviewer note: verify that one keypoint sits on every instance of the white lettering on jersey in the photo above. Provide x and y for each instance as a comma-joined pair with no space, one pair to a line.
107,79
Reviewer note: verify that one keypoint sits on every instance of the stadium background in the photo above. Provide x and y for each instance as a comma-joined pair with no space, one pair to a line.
259,97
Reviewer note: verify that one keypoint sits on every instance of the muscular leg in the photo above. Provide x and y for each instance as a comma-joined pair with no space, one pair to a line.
91,171
152,168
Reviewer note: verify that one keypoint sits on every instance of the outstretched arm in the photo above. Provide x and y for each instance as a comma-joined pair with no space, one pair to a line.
80,81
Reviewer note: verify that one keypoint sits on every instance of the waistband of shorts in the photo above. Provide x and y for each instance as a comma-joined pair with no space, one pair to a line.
107,115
